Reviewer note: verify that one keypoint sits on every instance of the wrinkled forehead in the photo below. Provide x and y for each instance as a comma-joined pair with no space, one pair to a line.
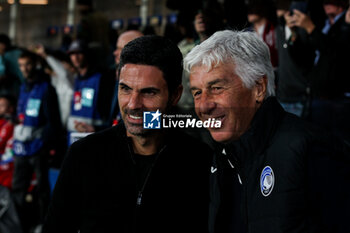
203,74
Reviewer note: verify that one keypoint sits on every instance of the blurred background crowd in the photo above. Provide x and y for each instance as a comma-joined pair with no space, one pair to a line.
59,80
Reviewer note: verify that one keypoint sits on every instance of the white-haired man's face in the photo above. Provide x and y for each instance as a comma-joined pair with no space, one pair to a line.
221,94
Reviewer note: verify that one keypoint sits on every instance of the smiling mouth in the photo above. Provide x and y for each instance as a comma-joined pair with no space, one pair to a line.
217,118
135,117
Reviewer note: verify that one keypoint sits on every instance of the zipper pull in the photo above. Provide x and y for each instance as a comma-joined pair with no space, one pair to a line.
139,199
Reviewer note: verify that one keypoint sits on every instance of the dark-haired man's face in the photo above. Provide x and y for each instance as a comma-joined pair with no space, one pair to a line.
332,11
5,107
141,88
26,66
253,18
2,48
78,60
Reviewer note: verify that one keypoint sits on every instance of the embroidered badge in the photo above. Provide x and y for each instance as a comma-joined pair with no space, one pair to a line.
267,181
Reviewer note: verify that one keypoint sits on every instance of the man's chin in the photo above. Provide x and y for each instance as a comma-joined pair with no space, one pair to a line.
135,130
222,136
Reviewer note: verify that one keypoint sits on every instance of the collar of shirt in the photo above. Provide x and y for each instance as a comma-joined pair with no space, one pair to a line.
328,24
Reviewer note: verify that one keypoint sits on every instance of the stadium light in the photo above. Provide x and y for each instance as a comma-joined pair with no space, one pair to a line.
29,2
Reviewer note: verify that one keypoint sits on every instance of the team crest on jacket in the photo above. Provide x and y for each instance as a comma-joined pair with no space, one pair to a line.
267,181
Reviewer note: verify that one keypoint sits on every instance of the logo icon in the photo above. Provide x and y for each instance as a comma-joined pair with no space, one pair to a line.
267,181
213,169
151,120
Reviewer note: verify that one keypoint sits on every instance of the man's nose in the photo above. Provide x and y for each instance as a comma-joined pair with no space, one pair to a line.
135,101
206,104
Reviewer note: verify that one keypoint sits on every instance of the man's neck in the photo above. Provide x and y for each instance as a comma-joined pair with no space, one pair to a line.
148,145
202,37
83,71
260,23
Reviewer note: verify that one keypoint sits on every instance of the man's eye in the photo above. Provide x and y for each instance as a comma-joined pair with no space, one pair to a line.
124,88
217,89
196,93
149,93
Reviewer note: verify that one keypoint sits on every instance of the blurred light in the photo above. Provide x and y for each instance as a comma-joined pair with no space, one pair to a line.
30,2
0,8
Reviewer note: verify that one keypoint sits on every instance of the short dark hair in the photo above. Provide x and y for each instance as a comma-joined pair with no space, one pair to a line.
4,39
27,54
11,99
341,3
155,51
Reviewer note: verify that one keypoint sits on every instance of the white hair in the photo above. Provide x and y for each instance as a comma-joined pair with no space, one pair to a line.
244,49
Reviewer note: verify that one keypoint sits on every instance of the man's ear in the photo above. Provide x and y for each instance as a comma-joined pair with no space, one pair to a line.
261,86
176,95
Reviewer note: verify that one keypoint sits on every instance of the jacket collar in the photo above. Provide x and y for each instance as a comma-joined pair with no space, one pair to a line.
171,137
263,126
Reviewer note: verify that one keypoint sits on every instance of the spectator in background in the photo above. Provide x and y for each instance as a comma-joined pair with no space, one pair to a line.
35,135
7,110
329,78
206,22
94,30
293,91
10,74
62,79
123,39
185,26
93,92
262,16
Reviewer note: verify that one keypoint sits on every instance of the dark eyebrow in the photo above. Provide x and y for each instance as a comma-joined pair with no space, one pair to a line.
150,89
124,85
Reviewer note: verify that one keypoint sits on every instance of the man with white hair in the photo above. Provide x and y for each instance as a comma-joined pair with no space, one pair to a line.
259,177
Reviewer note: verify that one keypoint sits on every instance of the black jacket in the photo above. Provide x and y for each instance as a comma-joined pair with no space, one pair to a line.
330,77
292,73
97,188
306,164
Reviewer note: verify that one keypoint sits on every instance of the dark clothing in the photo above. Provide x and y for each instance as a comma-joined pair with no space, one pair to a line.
97,190
330,78
27,164
292,73
275,163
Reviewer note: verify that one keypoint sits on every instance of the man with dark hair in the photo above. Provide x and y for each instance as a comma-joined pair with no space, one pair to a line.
93,28
92,92
262,16
128,178
329,77
8,61
35,135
